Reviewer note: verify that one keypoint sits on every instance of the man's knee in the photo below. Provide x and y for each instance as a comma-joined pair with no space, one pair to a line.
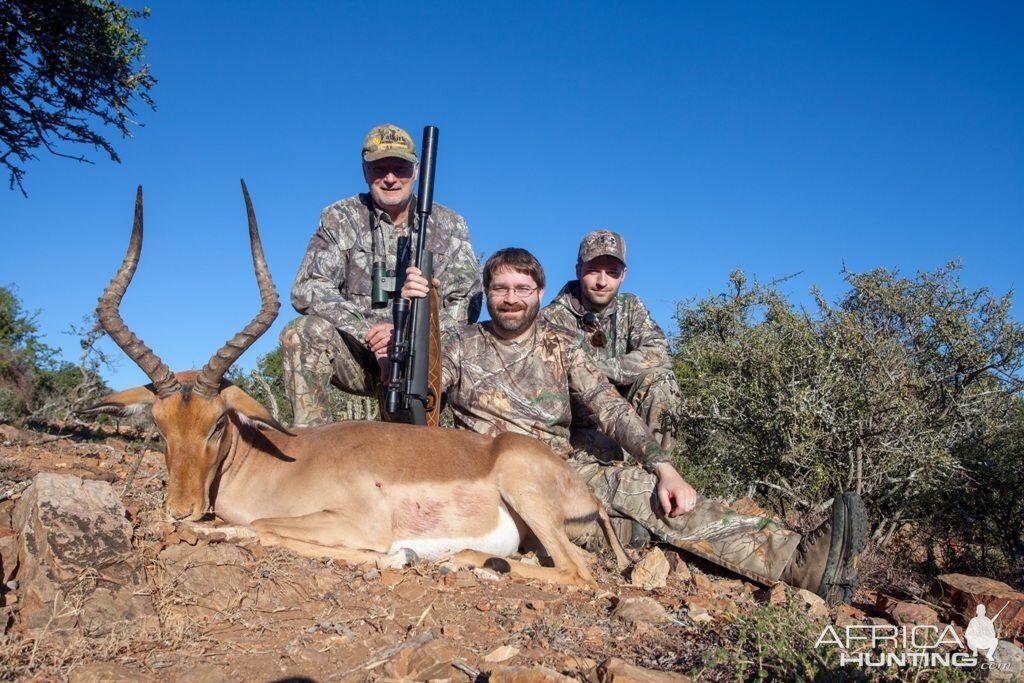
307,331
661,381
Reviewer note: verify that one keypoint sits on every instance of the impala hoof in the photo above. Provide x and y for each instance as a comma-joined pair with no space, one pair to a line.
403,557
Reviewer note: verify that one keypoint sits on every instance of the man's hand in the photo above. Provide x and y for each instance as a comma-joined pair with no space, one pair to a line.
415,286
675,495
378,339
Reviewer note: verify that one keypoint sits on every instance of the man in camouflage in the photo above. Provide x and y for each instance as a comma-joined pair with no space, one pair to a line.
618,334
343,334
519,374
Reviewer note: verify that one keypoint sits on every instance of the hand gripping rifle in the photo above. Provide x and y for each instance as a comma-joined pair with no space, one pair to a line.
409,388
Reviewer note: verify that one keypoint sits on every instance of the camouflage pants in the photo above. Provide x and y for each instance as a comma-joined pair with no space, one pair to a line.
755,547
654,396
316,355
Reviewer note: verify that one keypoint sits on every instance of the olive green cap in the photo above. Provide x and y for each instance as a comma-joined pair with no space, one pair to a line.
388,140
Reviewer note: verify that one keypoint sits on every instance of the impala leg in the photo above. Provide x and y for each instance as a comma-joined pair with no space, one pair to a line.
568,576
545,518
332,533
621,558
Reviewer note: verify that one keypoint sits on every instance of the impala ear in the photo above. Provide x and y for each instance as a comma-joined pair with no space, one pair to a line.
124,403
249,411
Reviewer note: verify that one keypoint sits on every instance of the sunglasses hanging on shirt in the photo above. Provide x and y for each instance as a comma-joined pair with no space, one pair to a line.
592,325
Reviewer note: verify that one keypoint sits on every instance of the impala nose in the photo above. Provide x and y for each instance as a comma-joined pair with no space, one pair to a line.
185,511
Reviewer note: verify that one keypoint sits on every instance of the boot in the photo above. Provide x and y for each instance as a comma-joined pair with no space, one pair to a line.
631,533
826,560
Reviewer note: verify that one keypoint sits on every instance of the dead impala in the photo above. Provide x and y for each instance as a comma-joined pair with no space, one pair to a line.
357,491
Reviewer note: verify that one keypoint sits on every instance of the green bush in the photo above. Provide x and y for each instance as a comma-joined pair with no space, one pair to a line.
892,391
34,383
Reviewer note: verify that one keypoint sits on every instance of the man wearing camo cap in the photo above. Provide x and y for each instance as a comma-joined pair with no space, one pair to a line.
516,373
343,333
617,333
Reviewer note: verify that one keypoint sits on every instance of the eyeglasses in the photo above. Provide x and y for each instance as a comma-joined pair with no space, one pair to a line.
592,325
520,292
400,169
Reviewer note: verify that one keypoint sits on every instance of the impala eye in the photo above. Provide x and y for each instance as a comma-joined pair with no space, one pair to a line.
218,429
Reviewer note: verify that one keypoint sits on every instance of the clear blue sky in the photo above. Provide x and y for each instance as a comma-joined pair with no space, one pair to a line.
776,137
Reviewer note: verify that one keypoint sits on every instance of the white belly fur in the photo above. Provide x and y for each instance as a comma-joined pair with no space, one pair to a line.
501,542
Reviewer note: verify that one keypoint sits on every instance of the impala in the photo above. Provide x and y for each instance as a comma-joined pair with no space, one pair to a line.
357,491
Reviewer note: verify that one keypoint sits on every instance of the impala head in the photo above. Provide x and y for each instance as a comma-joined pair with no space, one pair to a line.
194,410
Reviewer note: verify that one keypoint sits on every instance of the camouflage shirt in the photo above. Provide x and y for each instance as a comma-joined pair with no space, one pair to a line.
526,387
634,342
334,280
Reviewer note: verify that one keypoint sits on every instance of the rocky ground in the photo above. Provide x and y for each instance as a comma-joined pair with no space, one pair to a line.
99,586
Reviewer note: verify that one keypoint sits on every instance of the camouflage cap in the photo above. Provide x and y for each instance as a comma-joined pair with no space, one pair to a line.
388,140
602,243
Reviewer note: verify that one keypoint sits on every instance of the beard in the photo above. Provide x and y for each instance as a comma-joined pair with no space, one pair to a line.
504,315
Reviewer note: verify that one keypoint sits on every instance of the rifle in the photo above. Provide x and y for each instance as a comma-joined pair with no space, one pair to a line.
409,388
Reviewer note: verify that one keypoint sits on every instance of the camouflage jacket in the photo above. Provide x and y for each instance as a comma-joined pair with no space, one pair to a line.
634,342
334,279
528,387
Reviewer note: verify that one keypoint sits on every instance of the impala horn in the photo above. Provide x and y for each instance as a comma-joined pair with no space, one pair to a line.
208,382
109,316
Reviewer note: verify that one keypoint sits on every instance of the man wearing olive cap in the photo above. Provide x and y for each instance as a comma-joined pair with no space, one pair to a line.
618,334
343,333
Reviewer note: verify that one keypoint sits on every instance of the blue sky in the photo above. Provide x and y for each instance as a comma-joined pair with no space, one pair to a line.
775,137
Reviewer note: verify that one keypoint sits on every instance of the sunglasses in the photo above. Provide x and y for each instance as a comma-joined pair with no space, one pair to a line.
593,326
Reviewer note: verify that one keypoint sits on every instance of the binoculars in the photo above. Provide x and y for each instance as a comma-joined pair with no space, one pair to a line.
382,284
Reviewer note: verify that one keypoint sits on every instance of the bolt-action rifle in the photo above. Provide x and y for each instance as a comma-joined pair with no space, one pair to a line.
411,394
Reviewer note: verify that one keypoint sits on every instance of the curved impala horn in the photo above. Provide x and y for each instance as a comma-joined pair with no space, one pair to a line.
208,382
110,318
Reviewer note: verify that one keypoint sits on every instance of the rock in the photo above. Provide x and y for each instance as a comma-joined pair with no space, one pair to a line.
75,557
959,596
615,670
906,612
778,595
106,672
523,674
487,575
678,567
728,586
501,654
695,604
460,579
636,610
703,583
577,663
1009,663
847,615
8,554
431,660
13,435
392,577
410,591
451,631
812,604
651,572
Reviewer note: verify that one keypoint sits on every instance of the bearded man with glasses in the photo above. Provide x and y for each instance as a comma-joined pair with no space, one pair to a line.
517,373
